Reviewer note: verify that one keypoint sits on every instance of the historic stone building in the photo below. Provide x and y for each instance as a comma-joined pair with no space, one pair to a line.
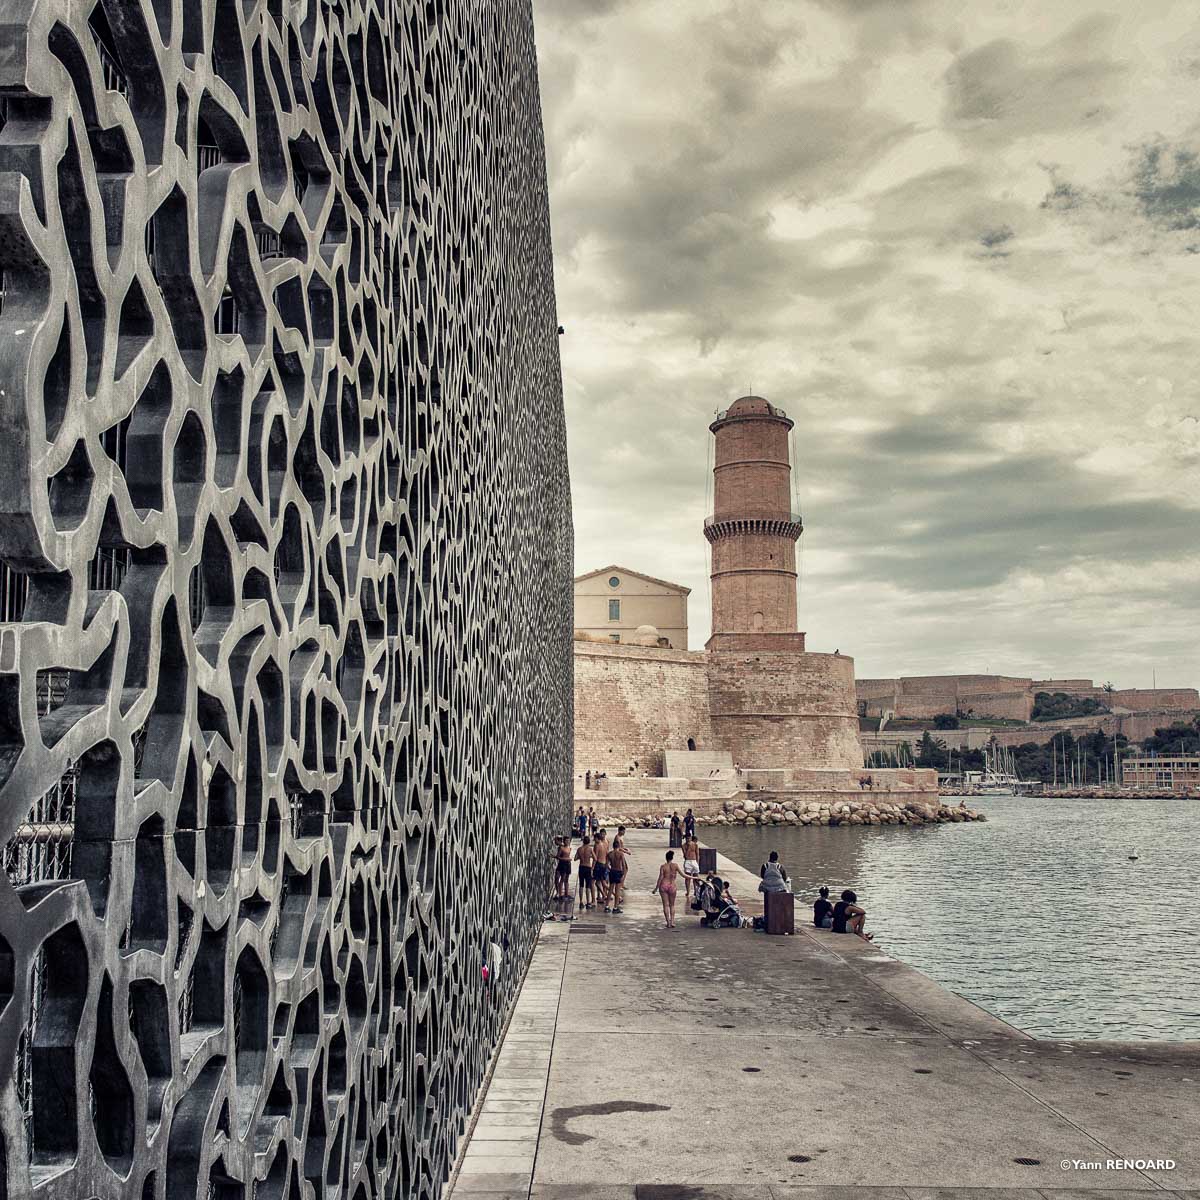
756,697
615,604
285,588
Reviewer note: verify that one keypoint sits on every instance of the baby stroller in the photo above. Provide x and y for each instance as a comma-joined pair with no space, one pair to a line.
716,910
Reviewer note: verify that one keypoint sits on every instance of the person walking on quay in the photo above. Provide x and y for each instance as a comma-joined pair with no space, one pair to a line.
689,825
593,822
666,888
691,864
585,856
773,861
600,868
581,823
676,831
617,864
619,840
848,917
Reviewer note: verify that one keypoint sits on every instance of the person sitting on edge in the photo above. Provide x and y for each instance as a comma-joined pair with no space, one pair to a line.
585,897
617,862
823,911
848,917
772,861
773,878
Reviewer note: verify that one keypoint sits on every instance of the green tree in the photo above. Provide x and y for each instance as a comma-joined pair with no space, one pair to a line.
945,721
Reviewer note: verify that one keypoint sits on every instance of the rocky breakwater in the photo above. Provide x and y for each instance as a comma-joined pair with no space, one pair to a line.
848,812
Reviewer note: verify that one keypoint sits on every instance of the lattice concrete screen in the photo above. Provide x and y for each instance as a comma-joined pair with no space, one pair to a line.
285,605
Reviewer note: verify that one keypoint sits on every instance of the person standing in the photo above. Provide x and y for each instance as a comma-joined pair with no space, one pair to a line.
691,864
666,888
617,863
689,825
593,823
585,856
600,868
676,831
581,823
562,876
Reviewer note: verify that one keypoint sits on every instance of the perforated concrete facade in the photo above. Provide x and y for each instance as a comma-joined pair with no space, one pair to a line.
286,588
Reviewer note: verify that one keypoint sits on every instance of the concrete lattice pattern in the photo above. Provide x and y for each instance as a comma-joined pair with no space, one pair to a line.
285,702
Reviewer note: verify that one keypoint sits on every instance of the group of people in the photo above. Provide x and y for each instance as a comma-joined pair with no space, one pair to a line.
602,867
844,916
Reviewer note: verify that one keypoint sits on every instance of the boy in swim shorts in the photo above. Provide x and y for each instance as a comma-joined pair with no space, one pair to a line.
616,875
585,856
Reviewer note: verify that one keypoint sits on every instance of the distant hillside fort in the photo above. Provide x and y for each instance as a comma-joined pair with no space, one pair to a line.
656,720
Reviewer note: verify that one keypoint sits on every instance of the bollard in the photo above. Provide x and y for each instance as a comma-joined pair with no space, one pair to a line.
779,912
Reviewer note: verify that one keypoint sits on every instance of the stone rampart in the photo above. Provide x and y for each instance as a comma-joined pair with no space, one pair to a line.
781,710
634,702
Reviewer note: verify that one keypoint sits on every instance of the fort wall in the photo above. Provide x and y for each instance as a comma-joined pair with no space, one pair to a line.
634,703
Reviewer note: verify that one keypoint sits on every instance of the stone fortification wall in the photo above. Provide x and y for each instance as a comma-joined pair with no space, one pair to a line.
634,702
780,710
1159,699
922,697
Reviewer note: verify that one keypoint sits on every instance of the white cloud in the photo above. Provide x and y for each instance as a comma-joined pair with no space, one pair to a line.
959,245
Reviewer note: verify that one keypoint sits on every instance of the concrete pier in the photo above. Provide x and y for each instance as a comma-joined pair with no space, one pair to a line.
645,1064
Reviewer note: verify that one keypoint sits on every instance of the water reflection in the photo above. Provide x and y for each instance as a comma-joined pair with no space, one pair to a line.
1037,915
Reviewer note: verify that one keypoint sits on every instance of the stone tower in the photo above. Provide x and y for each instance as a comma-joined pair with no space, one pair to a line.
753,530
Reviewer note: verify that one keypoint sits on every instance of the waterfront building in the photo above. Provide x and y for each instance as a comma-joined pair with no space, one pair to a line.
755,697
1179,773
615,604
285,603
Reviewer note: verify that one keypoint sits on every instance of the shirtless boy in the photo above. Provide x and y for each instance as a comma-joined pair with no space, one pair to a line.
585,856
618,860
600,867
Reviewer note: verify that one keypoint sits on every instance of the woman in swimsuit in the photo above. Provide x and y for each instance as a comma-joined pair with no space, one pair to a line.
665,887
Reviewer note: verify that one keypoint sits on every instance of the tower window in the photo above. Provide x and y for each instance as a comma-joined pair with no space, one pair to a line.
614,610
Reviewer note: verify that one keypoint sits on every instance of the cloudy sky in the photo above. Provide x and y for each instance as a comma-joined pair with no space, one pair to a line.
960,245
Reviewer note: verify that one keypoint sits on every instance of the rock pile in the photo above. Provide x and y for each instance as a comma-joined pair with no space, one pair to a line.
811,812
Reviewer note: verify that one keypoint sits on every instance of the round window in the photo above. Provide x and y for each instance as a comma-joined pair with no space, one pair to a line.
613,581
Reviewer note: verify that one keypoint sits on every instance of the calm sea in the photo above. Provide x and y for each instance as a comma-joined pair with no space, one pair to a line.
1037,914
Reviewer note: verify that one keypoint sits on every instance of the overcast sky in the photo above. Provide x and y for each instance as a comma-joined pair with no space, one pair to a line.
959,243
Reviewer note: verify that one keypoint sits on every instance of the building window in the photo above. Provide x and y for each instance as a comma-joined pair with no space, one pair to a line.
614,610
613,581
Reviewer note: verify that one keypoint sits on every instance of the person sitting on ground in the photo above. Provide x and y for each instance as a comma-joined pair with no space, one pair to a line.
585,897
617,862
773,878
691,863
823,911
848,917
772,861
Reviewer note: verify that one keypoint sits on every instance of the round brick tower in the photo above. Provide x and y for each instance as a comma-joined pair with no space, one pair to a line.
752,529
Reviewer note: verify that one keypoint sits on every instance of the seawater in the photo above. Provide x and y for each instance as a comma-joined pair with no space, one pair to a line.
1036,914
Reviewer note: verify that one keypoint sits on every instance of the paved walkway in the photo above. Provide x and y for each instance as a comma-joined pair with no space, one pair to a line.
643,1064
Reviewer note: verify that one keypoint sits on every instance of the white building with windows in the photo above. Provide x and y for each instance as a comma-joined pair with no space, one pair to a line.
1178,773
614,603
